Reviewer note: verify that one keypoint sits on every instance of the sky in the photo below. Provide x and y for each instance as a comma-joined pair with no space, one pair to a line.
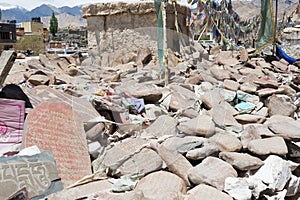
30,4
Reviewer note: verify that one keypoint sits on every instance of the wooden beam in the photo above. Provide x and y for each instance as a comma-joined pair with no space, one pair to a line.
7,60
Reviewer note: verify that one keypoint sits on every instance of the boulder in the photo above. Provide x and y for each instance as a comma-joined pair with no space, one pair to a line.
212,171
200,126
226,141
206,192
163,125
266,146
274,175
161,185
241,161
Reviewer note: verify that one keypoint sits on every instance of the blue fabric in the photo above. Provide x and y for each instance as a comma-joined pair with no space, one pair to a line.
281,54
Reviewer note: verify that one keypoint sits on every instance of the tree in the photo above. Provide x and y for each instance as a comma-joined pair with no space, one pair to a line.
53,24
0,14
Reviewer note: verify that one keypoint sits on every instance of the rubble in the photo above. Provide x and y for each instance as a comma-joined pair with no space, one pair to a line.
225,127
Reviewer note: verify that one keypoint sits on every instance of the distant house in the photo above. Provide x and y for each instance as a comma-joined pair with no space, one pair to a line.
7,35
32,35
35,27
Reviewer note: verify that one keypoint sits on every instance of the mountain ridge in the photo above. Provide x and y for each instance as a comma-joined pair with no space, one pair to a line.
45,11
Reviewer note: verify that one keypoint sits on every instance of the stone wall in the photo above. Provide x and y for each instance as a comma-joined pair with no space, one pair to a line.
117,28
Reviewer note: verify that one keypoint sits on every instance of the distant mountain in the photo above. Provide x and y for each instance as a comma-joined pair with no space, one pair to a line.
43,10
74,11
66,15
17,13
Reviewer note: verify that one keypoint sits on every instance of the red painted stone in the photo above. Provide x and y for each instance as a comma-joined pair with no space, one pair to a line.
55,126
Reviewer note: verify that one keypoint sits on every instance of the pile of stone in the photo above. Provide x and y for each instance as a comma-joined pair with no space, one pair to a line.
225,127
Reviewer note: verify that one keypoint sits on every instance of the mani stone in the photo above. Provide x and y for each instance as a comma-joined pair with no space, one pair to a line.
55,126
38,173
241,161
212,171
266,146
161,185
81,106
200,126
206,192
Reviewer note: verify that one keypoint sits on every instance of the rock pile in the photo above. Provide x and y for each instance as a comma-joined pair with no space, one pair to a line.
225,127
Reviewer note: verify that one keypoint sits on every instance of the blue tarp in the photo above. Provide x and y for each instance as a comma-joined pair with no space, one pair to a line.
281,54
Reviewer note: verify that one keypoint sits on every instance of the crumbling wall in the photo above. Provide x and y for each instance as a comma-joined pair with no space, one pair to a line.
117,28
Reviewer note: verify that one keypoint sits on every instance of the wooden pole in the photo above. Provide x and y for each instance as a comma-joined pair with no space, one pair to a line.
164,15
275,27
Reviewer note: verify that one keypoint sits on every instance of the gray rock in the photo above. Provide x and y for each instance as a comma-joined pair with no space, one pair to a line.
280,66
182,98
127,157
243,96
161,186
269,91
226,142
293,186
274,175
250,133
200,126
231,85
223,115
238,188
219,73
81,191
212,98
273,145
148,92
248,118
176,162
144,56
244,188
206,192
287,129
164,125
241,161
248,87
38,79
211,171
207,149
267,83
280,106
183,145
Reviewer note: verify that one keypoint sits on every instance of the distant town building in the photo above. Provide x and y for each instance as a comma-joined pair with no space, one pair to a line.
34,27
32,35
7,35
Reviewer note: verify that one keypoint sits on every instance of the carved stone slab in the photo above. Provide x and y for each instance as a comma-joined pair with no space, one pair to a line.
55,126
36,174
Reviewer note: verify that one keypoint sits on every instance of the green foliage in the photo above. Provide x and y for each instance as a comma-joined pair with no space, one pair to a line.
0,14
53,24
33,42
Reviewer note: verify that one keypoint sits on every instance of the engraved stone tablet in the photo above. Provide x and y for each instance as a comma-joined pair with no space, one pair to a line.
55,126
36,174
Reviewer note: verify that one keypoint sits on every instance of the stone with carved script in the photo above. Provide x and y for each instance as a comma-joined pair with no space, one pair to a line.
55,126
81,106
37,173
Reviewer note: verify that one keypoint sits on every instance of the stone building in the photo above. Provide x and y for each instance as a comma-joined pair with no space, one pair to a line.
121,27
7,35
